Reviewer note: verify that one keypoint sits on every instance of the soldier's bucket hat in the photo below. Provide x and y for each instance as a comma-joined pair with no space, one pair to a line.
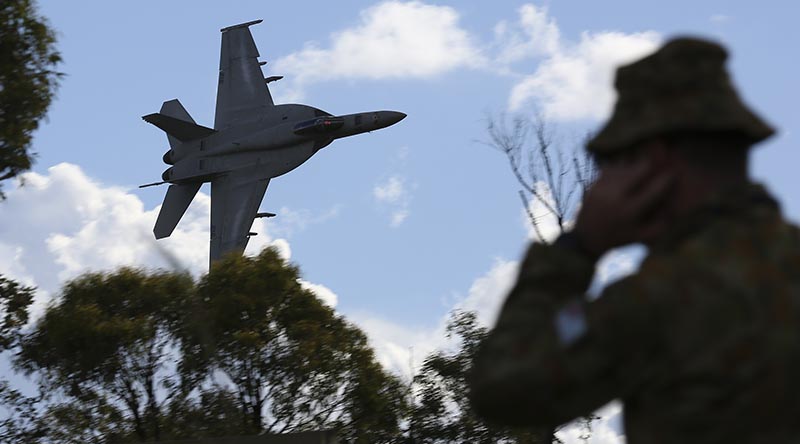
681,87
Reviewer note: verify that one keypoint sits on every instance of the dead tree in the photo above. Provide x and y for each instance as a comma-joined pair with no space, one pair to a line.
548,174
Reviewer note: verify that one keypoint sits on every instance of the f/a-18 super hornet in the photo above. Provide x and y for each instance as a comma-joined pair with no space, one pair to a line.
253,141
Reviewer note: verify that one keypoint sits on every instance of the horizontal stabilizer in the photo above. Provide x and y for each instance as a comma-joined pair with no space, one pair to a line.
175,204
178,128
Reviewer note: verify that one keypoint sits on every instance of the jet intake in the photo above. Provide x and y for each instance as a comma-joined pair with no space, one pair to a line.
167,175
168,157
320,125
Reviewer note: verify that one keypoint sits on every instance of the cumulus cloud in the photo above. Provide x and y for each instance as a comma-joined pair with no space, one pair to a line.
487,293
394,39
63,223
573,80
399,348
534,34
402,348
395,194
323,293
397,39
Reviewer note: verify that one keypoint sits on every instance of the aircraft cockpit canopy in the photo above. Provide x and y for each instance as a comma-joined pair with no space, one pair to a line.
320,125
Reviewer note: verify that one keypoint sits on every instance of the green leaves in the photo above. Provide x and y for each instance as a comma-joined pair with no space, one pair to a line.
14,302
442,412
151,356
294,363
105,343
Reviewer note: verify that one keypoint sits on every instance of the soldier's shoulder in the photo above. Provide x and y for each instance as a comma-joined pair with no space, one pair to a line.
745,237
723,259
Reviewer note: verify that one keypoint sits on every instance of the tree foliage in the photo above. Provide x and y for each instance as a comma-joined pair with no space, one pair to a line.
18,424
106,345
14,302
294,364
28,58
138,356
442,412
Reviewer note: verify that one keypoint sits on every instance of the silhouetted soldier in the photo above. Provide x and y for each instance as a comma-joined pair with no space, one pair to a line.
702,344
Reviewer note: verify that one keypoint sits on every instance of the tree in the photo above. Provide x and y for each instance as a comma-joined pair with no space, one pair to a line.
14,302
19,424
212,412
137,356
294,365
105,346
28,80
548,176
442,412
552,180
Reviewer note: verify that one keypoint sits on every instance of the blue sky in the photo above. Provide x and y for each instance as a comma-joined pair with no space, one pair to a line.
398,226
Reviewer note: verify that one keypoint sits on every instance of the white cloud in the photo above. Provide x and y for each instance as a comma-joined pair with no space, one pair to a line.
395,194
323,293
402,348
546,228
399,348
606,430
535,34
63,223
572,80
394,39
290,221
392,191
487,293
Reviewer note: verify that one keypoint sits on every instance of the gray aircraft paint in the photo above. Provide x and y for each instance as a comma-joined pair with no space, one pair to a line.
253,141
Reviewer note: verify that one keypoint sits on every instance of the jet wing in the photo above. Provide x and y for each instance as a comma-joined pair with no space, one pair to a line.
242,91
235,198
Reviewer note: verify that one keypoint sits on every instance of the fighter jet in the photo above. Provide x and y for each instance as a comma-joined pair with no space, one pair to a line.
252,142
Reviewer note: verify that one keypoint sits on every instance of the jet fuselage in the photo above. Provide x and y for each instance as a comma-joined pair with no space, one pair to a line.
278,143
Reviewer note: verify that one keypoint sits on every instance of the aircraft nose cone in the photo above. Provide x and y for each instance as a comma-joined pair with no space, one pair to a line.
392,117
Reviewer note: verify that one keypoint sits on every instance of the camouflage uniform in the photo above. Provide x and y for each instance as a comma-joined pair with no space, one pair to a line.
702,344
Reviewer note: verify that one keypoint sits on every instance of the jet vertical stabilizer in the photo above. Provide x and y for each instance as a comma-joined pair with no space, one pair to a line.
175,204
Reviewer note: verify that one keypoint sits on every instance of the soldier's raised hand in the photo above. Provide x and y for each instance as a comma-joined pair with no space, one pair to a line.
627,204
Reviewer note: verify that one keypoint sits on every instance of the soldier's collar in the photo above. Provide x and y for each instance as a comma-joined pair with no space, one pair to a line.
730,202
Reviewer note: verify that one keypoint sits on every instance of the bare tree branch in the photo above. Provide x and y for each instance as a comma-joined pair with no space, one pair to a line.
550,176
